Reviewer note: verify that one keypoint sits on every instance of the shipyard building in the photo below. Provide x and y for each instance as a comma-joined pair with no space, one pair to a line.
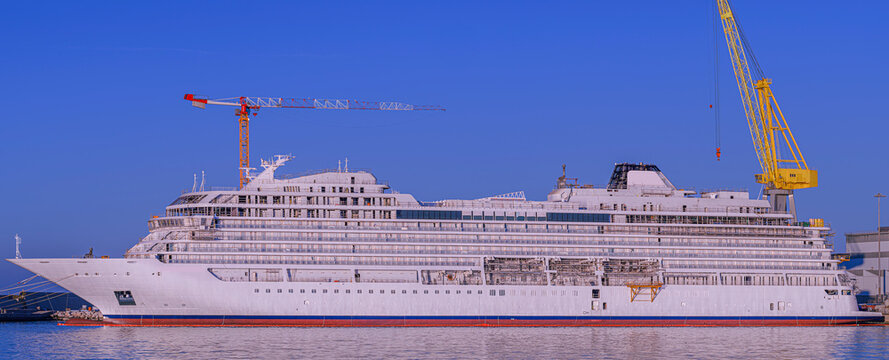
867,260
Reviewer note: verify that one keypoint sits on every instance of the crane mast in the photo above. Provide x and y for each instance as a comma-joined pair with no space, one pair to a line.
245,105
784,168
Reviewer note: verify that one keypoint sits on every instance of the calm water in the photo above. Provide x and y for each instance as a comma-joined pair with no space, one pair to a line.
49,341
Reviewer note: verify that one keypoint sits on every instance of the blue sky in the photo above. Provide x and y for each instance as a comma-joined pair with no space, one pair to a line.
98,138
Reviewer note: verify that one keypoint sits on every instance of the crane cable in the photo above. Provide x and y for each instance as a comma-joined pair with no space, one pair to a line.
753,64
756,69
715,17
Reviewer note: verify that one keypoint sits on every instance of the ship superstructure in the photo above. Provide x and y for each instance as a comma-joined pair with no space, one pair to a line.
339,248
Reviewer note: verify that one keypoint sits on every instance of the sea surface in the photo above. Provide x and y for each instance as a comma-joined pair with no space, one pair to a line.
46,340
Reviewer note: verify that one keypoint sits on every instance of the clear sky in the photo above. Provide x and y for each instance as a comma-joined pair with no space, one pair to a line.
97,138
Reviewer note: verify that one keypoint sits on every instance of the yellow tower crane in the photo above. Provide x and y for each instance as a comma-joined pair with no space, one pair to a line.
784,168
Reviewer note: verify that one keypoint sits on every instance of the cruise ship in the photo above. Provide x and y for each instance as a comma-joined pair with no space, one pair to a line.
340,248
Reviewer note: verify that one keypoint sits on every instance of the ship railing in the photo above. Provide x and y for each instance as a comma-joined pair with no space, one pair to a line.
663,244
498,204
512,230
498,253
295,261
322,171
545,205
211,188
203,259
678,268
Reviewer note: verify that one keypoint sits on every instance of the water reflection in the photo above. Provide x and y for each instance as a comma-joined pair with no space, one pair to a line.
46,340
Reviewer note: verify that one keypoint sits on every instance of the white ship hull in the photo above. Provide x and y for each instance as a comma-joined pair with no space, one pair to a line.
188,294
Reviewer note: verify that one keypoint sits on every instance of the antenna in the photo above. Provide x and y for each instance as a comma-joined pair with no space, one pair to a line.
347,164
339,167
202,180
194,183
18,243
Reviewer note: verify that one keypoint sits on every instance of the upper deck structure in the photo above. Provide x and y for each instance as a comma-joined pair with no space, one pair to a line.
347,218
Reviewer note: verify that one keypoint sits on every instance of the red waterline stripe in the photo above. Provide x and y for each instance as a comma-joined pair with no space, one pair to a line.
461,323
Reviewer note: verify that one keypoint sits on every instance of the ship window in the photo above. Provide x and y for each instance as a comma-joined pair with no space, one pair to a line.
447,291
458,292
595,305
336,291
404,291
256,290
595,293
573,217
502,292
359,291
415,291
314,291
348,291
831,292
425,291
480,292
302,291
604,306
290,291
125,298
268,291
780,306
392,292
436,291
324,291
772,306
280,291
427,214
493,293
370,291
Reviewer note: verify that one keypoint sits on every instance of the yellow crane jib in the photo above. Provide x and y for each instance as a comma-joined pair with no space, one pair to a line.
783,165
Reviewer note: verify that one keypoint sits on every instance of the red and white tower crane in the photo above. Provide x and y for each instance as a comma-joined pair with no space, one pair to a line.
247,105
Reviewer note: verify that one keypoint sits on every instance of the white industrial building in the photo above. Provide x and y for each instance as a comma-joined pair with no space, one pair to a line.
866,261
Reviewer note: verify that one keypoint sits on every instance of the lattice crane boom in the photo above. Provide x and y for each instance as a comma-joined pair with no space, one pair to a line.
783,165
246,105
